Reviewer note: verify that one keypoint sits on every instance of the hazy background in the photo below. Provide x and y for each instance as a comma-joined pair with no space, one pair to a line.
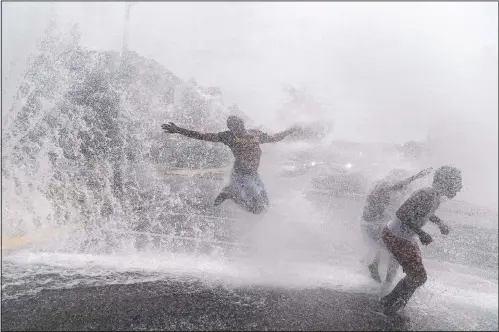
388,71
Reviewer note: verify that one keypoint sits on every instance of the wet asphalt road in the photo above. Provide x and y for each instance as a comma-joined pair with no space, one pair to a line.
190,305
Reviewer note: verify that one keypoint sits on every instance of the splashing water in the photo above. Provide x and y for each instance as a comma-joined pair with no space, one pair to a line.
85,194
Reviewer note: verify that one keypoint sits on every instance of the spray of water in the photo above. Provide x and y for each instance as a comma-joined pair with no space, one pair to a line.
82,148
84,177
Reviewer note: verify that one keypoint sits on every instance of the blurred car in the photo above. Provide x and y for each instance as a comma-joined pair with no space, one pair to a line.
294,169
333,177
342,168
342,179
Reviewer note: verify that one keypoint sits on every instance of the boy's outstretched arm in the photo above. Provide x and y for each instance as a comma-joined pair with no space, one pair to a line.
266,138
172,128
400,185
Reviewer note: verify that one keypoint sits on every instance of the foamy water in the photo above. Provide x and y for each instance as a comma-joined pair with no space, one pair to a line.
32,272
